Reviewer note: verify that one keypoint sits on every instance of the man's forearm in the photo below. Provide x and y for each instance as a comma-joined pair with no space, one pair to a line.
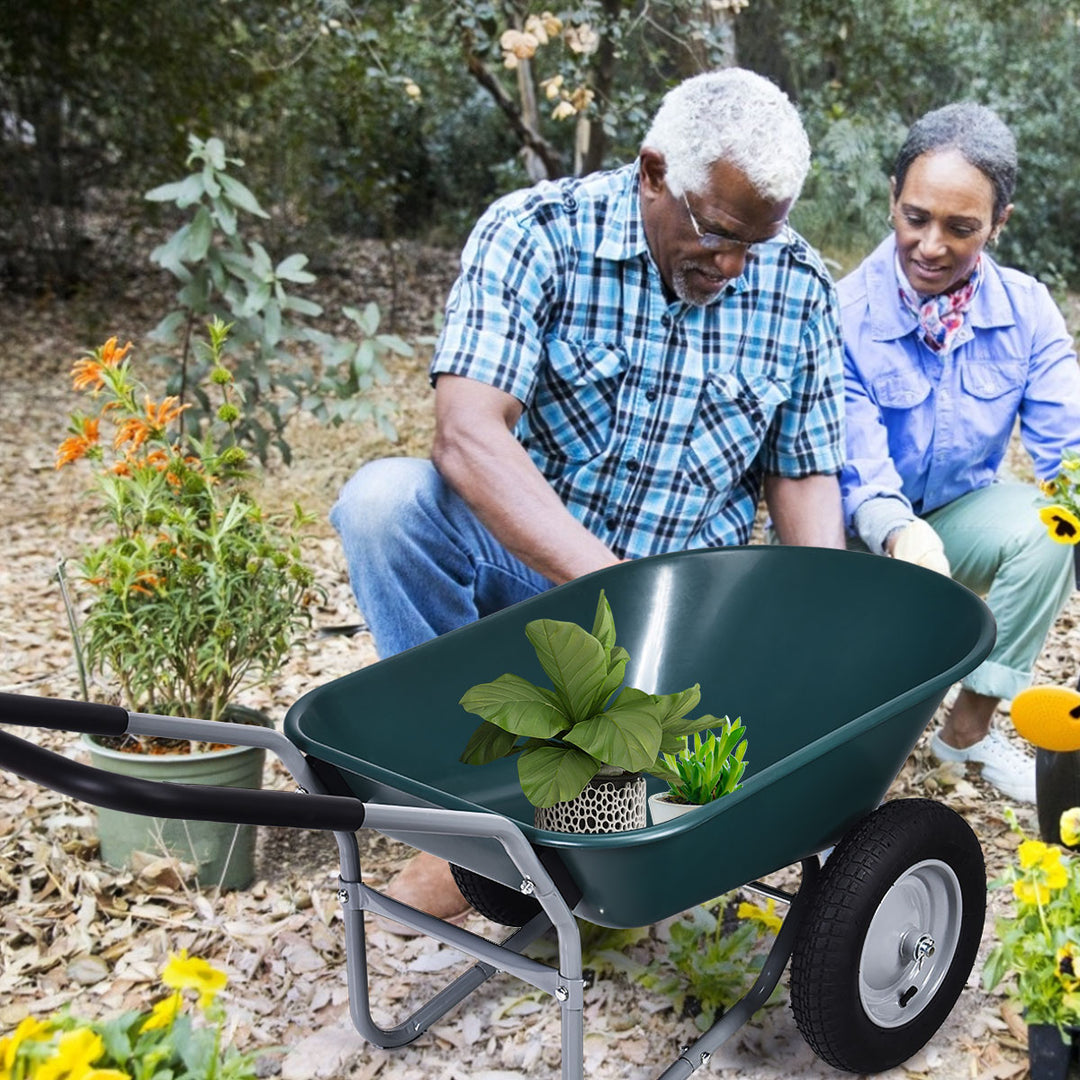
806,511
493,473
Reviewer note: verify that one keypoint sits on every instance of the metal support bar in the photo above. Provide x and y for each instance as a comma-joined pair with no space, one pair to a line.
693,1057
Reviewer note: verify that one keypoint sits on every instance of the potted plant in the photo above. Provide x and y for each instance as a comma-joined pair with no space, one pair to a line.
704,770
190,591
169,1039
1040,946
583,745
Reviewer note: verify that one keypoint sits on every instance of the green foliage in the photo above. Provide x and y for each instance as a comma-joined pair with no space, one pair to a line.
567,734
194,591
862,72
708,768
225,274
715,952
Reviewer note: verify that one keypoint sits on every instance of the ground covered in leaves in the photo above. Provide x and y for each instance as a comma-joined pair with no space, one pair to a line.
78,933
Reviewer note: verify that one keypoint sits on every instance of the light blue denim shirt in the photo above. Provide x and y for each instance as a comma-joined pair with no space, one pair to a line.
924,428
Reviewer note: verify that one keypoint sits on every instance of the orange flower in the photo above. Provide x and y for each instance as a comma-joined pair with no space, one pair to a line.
110,355
76,446
87,374
160,416
132,430
122,468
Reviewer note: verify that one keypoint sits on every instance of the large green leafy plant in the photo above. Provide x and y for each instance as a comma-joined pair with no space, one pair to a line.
586,721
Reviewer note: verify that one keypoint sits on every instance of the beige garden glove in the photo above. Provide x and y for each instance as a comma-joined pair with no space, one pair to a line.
917,543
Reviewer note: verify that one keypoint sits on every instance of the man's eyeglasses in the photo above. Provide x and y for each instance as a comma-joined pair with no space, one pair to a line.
729,245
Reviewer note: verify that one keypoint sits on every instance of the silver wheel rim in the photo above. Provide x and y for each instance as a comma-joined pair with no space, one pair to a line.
910,943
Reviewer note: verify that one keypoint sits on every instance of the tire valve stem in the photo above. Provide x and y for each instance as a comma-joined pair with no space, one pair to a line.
907,995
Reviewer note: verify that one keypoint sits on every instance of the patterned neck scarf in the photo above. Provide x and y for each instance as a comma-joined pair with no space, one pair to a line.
940,317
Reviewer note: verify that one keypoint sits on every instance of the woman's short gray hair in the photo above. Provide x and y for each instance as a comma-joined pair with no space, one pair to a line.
734,116
974,131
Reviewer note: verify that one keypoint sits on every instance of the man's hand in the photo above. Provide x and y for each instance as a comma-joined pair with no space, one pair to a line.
918,543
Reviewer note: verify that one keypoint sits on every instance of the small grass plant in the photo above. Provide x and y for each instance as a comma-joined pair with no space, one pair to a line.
710,767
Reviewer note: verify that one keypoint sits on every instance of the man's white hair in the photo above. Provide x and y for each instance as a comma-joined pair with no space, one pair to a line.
735,116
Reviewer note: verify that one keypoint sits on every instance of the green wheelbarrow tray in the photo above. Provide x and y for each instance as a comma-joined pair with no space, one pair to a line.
834,660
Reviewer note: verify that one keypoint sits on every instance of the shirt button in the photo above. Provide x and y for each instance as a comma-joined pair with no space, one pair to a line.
632,465
665,320
569,203
651,394
612,524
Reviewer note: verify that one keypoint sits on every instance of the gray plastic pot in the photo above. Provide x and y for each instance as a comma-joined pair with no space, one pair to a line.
223,854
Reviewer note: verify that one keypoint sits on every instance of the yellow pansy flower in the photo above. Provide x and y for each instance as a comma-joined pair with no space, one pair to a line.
163,1013
29,1029
1031,853
1029,892
75,1053
1067,966
1062,524
763,916
182,972
1070,827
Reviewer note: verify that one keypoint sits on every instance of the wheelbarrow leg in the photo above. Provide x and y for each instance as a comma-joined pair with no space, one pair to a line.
692,1057
566,985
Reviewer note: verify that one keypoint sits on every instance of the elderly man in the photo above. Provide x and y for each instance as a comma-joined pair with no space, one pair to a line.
628,361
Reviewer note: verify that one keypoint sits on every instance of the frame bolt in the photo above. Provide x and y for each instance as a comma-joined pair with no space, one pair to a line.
527,886
562,993
343,895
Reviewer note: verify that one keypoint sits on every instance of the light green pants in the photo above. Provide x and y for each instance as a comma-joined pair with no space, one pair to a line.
998,548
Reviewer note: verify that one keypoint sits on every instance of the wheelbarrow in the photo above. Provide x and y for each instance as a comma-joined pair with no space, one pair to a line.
834,660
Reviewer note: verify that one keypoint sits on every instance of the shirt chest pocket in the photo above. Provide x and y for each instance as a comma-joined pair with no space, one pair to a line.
733,418
574,408
900,389
989,382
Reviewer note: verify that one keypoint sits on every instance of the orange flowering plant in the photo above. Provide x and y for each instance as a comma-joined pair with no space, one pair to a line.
1040,942
1061,512
195,592
181,1036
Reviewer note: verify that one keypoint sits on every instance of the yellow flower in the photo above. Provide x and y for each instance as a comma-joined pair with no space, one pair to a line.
1062,524
75,1053
164,1012
182,973
1070,827
1048,488
1028,892
1031,853
1067,966
105,1074
29,1029
563,111
764,916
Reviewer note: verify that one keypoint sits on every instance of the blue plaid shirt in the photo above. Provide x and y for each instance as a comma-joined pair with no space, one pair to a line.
654,421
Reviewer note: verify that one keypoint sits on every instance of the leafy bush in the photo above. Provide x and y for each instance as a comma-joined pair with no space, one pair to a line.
226,275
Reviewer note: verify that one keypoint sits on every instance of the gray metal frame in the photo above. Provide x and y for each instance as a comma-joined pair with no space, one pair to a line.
565,984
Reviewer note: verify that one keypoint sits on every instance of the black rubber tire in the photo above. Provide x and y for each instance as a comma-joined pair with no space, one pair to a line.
493,900
825,982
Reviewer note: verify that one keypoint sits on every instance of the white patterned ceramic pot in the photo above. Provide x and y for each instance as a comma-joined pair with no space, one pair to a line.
608,804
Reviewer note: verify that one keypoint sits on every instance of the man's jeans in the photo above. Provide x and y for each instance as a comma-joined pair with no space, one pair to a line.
420,563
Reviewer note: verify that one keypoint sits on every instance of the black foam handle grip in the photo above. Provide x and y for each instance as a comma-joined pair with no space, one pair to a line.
62,714
191,802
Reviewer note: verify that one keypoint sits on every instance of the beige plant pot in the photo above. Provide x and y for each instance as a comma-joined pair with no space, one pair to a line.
608,804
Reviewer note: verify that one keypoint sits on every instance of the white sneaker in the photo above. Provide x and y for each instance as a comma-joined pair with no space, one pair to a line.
1004,765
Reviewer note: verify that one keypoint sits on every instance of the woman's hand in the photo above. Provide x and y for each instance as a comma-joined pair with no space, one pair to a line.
918,543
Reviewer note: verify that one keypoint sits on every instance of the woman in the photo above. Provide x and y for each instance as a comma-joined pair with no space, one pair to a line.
944,351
